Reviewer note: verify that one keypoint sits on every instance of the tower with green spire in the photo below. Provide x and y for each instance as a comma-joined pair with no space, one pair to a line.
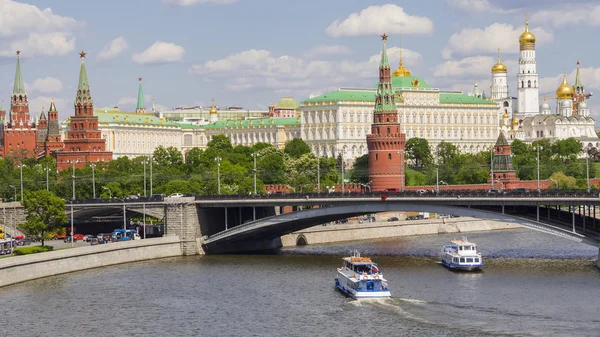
141,107
19,103
579,94
503,171
386,141
84,144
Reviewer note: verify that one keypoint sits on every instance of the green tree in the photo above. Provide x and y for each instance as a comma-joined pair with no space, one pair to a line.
562,181
170,156
567,149
360,170
296,147
418,151
45,212
220,143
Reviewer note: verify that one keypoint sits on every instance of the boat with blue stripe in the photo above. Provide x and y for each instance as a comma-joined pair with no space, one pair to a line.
361,278
462,255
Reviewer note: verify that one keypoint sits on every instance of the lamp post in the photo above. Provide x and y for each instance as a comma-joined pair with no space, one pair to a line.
318,173
21,168
492,166
145,162
109,191
93,181
14,188
437,173
254,154
72,201
150,175
343,184
47,169
538,167
218,160
587,171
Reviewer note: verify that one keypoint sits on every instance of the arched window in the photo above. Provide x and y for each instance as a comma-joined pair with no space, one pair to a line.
389,156
522,84
376,156
388,131
529,84
506,104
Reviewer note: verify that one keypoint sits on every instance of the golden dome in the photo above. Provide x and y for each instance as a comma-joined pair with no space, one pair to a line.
515,122
527,38
505,114
401,71
213,110
564,91
499,67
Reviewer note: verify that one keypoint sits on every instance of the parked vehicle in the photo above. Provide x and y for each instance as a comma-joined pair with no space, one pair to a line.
157,197
93,241
176,195
393,219
24,242
495,191
89,237
69,238
78,237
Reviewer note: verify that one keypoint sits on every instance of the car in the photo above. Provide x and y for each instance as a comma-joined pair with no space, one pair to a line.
520,190
495,191
24,242
69,239
93,241
104,237
176,195
393,190
421,192
132,197
157,197
78,237
393,219
89,238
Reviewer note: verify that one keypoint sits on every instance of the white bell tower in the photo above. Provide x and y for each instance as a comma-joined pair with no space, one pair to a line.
527,78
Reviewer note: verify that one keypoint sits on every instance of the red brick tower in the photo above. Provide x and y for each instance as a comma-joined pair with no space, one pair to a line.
53,139
42,127
19,136
504,173
386,142
84,143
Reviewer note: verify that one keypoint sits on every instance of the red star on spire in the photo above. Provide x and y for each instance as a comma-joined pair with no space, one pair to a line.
82,54
384,37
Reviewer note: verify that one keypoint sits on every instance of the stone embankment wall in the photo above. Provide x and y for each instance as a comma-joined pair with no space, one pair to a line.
381,230
29,267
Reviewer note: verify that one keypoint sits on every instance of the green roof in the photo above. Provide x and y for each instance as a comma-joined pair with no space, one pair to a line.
460,98
19,86
118,117
83,88
401,82
275,121
287,103
140,100
345,95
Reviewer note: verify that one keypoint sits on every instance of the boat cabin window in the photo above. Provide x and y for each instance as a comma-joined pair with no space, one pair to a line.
476,259
462,259
455,260
469,260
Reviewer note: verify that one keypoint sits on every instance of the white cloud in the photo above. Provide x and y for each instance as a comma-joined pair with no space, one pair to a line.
160,52
113,49
45,85
328,50
585,14
260,68
184,3
36,104
489,39
376,20
127,100
34,31
472,66
477,6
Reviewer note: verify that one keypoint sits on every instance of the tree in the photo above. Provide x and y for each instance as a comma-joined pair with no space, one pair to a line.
296,147
417,150
562,181
360,170
220,143
45,212
567,149
170,156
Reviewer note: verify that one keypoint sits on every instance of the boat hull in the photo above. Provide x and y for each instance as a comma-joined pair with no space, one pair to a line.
463,267
357,295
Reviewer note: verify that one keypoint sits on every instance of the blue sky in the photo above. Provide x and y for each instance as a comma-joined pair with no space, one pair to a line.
251,52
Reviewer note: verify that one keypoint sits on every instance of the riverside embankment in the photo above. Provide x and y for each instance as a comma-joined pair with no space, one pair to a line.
29,267
385,229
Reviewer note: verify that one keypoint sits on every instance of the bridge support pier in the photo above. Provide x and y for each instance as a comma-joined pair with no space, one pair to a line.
573,217
225,218
181,219
538,212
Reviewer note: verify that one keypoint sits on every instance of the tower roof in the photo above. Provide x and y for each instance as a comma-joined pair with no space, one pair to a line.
527,38
401,71
42,115
385,100
52,106
213,110
501,140
19,86
83,88
384,56
564,91
499,67
140,100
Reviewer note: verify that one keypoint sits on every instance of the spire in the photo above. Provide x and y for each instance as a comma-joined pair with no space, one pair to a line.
52,106
42,114
401,71
578,83
141,108
153,106
19,87
83,88
384,56
501,139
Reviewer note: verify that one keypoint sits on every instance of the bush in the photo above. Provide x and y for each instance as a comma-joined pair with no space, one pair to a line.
32,250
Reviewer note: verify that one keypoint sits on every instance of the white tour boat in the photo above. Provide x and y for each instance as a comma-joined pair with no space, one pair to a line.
462,255
360,278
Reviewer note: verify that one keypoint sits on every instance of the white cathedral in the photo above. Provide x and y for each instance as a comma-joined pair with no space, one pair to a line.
531,121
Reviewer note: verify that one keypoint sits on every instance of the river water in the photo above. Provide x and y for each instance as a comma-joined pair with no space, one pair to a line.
533,284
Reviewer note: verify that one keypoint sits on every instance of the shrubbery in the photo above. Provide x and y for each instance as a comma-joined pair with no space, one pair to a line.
32,250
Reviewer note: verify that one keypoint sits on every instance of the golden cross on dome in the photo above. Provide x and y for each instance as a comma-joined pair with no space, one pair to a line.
384,37
82,54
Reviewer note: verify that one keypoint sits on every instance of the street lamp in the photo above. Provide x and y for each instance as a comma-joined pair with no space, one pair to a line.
151,175
14,188
538,148
343,186
93,181
21,168
492,166
254,154
587,170
47,169
72,201
437,173
218,160
145,162
318,173
109,191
